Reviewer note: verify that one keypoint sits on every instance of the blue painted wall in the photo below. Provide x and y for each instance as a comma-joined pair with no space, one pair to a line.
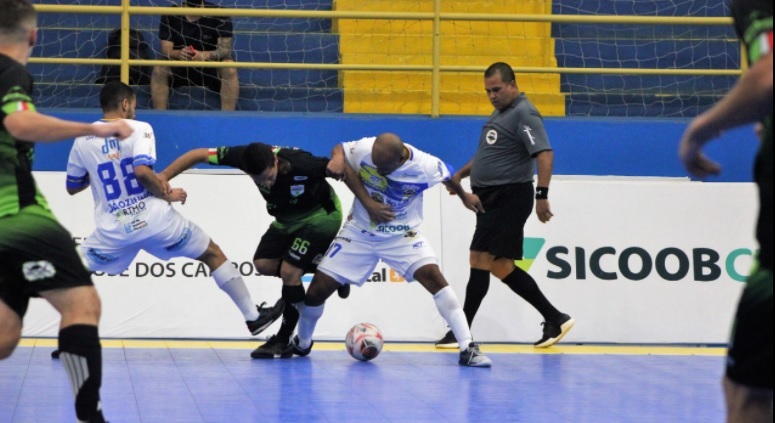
584,146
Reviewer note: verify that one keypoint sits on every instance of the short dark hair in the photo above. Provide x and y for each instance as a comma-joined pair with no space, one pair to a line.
256,158
113,93
15,20
507,73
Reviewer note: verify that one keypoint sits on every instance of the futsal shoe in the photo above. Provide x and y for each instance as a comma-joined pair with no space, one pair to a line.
55,354
554,331
274,347
343,291
302,352
472,357
266,316
448,342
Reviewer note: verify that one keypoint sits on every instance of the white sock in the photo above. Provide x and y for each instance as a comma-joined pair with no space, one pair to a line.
230,281
308,319
450,310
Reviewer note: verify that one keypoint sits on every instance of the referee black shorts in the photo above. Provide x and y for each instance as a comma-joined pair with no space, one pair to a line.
500,229
36,254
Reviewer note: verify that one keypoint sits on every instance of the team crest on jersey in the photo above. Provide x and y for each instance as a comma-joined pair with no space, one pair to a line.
491,137
297,190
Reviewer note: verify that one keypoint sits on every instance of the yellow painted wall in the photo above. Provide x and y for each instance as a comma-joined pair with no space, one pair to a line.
463,43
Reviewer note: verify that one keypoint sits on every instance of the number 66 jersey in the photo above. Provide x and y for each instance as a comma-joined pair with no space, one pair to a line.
124,210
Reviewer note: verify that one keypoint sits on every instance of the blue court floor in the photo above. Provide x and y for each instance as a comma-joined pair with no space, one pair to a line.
157,381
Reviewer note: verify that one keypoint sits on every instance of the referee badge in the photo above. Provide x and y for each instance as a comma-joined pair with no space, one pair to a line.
492,136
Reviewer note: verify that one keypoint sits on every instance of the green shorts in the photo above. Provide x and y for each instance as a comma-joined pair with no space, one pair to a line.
749,361
36,254
302,243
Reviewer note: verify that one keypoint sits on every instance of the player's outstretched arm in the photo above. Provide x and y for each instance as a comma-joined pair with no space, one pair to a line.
185,162
750,100
33,126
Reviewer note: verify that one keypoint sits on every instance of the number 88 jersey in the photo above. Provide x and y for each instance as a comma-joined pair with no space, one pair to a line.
124,209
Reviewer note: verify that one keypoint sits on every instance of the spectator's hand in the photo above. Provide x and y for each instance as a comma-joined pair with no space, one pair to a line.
472,202
379,213
543,211
337,169
118,128
690,151
184,54
759,130
177,195
456,178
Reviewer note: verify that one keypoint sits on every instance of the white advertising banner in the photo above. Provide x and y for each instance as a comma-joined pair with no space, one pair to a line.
632,261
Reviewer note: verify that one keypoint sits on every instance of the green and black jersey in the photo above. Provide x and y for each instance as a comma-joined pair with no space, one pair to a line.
17,187
753,21
299,193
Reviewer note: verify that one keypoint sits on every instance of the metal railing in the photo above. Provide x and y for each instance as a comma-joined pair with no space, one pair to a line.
126,11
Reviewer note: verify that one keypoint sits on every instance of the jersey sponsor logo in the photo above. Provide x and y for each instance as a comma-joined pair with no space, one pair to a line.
100,257
129,202
410,234
418,245
300,178
528,130
37,270
297,190
391,229
135,225
182,242
491,137
111,148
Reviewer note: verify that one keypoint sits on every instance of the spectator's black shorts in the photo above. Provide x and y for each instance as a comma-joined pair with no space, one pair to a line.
198,77
36,254
749,361
500,229
301,245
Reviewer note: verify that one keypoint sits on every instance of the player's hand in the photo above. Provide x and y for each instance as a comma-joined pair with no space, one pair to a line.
337,169
690,151
457,179
118,128
177,195
543,211
380,213
185,54
473,203
165,183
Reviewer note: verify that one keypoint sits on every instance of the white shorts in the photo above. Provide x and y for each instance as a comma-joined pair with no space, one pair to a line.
352,259
181,238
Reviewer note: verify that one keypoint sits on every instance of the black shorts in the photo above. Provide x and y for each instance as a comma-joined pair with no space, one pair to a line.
198,77
36,254
750,356
301,246
500,229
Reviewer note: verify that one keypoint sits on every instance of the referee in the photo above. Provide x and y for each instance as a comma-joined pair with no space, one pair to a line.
502,177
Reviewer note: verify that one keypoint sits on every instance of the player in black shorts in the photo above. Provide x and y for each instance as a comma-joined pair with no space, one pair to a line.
196,38
512,144
307,216
37,255
748,380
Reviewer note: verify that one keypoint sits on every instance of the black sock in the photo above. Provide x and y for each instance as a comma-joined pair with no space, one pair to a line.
526,287
293,296
81,354
478,285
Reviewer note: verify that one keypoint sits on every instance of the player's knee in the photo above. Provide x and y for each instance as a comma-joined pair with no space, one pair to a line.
267,267
9,339
228,74
502,267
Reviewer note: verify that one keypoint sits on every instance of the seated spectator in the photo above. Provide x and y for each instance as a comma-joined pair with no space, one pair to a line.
195,38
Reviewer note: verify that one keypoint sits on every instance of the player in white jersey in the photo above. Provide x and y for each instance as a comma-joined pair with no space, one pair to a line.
388,178
133,210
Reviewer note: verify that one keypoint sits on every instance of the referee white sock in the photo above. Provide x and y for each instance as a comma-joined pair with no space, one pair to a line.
307,322
450,310
230,281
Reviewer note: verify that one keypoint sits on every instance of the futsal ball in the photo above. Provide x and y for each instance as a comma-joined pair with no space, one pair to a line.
364,341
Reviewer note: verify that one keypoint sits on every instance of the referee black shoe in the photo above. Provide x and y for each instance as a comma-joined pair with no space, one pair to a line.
343,291
274,347
266,316
555,331
448,342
